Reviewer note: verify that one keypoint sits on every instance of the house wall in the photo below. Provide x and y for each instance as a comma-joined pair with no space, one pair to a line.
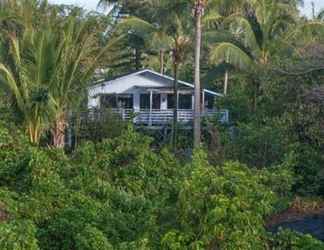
125,85
93,102
164,101
130,84
136,101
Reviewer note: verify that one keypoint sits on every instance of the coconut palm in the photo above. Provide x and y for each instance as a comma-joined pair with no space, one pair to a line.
257,32
166,30
176,29
198,12
215,7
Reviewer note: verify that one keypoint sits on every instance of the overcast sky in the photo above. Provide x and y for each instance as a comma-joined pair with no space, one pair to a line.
92,4
88,4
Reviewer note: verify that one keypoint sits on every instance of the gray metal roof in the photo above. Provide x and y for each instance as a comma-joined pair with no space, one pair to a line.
155,75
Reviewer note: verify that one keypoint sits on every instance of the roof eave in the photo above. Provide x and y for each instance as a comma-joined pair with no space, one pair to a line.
103,83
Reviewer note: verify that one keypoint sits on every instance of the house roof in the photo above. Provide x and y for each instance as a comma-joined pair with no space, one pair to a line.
149,73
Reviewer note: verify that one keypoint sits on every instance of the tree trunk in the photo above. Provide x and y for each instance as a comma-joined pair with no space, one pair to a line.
58,131
34,133
175,109
162,62
226,83
197,106
137,59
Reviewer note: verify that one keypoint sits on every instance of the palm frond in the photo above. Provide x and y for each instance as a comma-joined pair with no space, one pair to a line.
231,54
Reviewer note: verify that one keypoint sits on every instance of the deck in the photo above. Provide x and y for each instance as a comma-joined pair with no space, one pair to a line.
158,117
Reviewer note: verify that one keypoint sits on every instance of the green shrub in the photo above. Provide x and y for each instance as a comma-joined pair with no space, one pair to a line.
120,194
221,207
107,125
92,239
259,143
14,158
62,228
18,235
308,167
286,239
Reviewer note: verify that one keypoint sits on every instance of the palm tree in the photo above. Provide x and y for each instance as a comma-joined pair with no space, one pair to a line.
53,59
257,32
199,8
180,49
166,30
23,71
177,28
78,55
24,78
198,12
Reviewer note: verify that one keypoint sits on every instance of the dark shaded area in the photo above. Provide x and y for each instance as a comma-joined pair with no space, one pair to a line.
313,225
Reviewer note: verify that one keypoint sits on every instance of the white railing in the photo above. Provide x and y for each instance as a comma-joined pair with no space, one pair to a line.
163,117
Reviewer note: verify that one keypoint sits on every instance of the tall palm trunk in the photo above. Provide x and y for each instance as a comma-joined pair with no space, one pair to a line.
58,131
175,108
137,53
197,104
226,83
162,62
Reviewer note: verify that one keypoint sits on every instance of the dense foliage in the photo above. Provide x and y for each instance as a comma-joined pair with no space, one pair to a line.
121,189
119,194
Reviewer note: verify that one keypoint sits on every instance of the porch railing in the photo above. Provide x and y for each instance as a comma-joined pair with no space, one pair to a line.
163,117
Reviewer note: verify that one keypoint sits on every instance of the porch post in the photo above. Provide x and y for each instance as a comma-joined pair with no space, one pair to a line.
192,102
151,108
203,101
177,105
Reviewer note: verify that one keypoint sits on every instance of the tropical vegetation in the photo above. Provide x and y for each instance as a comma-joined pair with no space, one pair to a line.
121,187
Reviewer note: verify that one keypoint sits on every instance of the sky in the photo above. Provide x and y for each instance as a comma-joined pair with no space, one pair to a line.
319,4
88,4
92,4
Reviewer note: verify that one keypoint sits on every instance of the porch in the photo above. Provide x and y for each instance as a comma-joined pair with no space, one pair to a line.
158,117
154,106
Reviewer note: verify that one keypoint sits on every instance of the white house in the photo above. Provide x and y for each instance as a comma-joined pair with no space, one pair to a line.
148,97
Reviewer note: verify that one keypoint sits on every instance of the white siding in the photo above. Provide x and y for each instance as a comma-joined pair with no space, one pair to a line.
131,84
126,85
136,98
164,101
93,102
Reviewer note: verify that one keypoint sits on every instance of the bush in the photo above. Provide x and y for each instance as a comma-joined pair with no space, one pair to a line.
14,158
18,235
92,239
260,143
308,167
120,194
106,125
221,207
286,239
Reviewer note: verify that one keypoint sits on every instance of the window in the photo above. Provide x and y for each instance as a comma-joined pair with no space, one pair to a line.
108,101
145,101
171,101
125,101
156,101
209,101
116,101
185,101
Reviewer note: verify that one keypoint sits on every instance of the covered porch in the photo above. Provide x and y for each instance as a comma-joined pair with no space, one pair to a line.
164,117
152,106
